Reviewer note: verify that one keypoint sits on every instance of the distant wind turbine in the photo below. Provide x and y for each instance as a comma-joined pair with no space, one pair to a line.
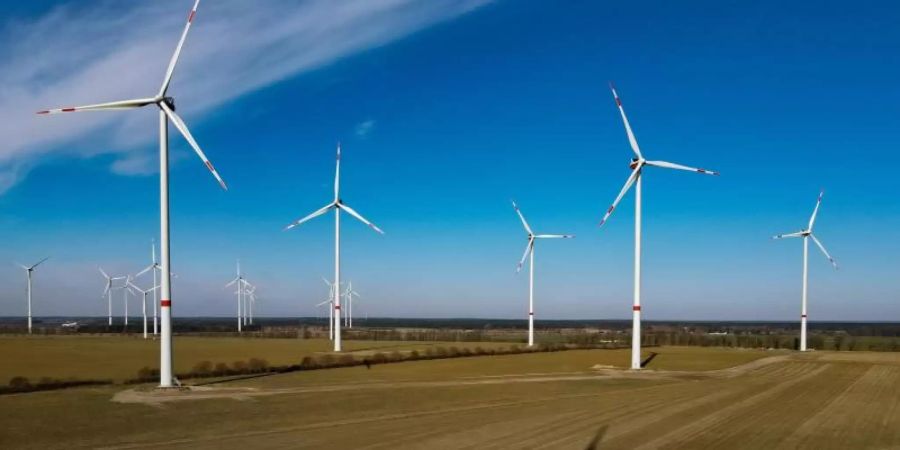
637,166
166,105
807,234
529,251
337,205
144,293
28,271
107,292
239,279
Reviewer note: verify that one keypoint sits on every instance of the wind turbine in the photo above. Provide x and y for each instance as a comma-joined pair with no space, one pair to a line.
28,271
349,293
251,300
337,205
144,293
107,292
331,290
239,279
125,291
807,234
529,251
166,105
157,271
637,165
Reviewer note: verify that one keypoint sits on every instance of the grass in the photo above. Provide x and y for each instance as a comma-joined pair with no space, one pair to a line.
120,357
819,400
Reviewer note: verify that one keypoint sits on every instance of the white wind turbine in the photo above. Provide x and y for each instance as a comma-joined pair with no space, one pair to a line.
167,113
251,300
28,271
144,293
239,279
529,251
349,293
637,166
807,234
125,291
154,267
107,292
337,205
330,303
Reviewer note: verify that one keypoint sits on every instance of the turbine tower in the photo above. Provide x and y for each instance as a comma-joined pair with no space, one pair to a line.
144,292
637,165
529,251
337,205
107,292
28,271
807,234
166,105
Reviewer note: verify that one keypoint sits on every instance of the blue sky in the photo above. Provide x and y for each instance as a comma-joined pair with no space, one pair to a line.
446,111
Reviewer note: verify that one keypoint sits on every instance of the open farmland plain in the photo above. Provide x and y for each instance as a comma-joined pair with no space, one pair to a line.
691,398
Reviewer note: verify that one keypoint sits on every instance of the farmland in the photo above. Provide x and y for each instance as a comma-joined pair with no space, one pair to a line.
688,398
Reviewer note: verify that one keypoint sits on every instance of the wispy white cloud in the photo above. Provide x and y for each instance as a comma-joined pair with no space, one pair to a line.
364,128
114,50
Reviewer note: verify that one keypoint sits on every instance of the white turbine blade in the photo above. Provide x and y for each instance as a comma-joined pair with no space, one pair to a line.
528,248
628,183
106,289
104,273
788,235
669,165
232,281
812,219
121,104
176,120
522,217
631,139
358,216
22,266
554,236
327,283
323,303
337,175
318,213
824,252
174,60
149,268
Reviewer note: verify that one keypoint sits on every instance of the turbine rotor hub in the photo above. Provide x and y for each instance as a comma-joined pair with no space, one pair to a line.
170,102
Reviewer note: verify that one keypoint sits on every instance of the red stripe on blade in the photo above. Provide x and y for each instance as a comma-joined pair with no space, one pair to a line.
68,109
43,112
618,102
165,303
191,17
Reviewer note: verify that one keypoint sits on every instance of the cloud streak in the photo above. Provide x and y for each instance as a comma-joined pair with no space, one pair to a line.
77,54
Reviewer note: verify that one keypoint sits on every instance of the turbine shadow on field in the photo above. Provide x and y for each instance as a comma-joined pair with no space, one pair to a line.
645,362
598,438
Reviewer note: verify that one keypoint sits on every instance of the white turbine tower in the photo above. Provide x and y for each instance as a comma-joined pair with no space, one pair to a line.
529,251
330,303
28,271
125,291
637,166
239,279
167,113
807,234
337,205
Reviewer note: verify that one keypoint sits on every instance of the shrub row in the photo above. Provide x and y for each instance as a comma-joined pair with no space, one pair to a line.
22,384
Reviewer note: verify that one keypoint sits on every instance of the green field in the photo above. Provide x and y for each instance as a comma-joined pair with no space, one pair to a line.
119,358
688,398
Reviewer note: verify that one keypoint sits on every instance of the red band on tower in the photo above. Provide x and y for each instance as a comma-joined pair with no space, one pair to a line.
165,303
636,308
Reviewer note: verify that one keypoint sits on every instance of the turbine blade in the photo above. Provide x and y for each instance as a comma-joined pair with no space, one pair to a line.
554,236
358,216
327,283
176,120
318,213
824,252
104,273
631,138
528,248
788,235
174,60
628,183
669,165
812,219
232,281
121,104
521,217
337,175
149,268
39,262
323,303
